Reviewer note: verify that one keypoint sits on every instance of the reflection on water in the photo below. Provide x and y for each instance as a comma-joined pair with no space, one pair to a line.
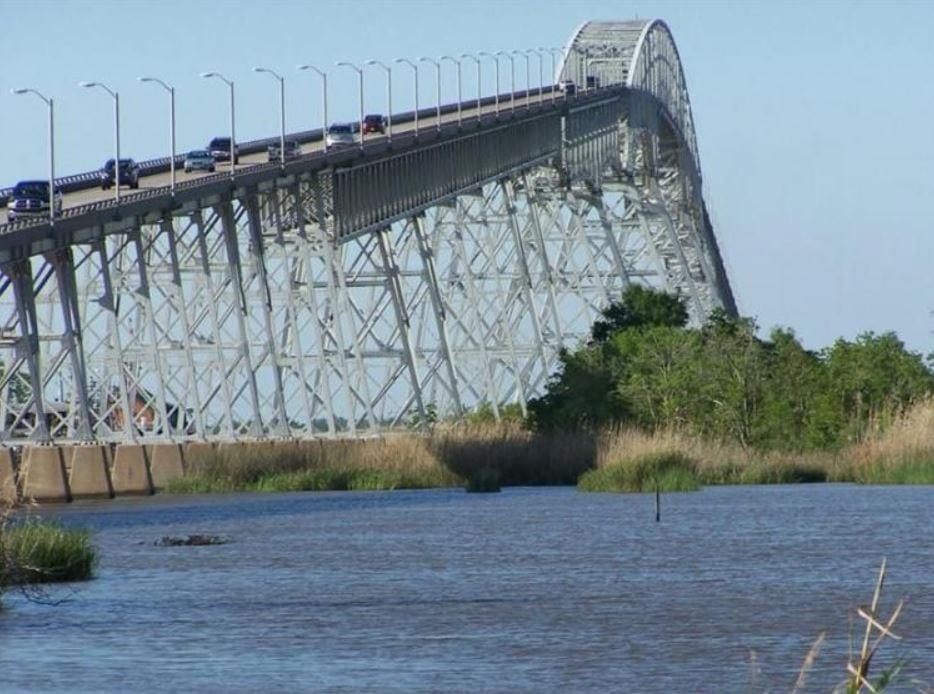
529,590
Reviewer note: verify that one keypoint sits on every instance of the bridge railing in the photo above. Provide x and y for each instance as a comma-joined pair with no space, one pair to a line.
90,179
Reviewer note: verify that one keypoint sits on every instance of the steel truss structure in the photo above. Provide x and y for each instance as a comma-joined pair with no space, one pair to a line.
329,300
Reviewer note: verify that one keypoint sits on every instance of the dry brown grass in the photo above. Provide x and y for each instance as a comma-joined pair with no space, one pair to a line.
902,453
718,462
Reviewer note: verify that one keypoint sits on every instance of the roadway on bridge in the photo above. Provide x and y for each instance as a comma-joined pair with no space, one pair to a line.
248,161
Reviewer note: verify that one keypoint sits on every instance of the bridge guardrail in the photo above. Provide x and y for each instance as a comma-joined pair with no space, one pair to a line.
90,179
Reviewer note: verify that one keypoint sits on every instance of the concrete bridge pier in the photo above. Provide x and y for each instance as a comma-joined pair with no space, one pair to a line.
88,470
130,473
43,474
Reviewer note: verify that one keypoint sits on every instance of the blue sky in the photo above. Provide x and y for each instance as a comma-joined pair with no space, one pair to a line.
813,118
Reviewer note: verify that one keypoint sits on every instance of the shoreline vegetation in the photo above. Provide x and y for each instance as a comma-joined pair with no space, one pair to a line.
482,456
36,551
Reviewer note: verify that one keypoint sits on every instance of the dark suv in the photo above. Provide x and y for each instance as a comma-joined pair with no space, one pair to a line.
31,199
220,148
374,123
129,174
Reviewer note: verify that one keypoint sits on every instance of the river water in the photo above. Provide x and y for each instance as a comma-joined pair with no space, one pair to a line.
529,590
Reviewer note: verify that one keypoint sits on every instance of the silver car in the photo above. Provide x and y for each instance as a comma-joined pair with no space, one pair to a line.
340,135
199,160
293,150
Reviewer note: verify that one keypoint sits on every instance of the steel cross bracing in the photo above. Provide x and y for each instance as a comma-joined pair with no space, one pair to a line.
323,301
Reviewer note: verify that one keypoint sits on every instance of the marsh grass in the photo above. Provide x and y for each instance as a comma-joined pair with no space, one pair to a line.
667,471
44,552
902,453
467,454
464,453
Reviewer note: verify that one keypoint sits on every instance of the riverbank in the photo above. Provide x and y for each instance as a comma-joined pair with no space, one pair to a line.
459,454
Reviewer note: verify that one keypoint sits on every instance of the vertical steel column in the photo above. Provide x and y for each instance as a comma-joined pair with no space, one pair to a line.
474,303
527,287
337,294
235,277
144,299
391,269
71,315
259,262
437,302
168,229
212,307
295,264
117,360
532,202
20,271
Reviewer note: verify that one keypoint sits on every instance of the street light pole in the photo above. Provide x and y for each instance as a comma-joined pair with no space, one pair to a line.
233,141
171,91
281,111
554,70
324,101
116,98
414,67
437,87
479,90
50,104
457,63
388,95
512,79
496,95
528,72
541,71
344,63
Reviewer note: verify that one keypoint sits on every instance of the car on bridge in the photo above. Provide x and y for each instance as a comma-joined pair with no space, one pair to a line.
31,199
374,123
567,87
199,160
129,174
293,150
340,135
220,148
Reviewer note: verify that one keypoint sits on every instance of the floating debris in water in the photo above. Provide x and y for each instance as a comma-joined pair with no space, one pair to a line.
191,540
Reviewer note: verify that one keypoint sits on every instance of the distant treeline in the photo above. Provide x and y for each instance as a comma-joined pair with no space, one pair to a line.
644,367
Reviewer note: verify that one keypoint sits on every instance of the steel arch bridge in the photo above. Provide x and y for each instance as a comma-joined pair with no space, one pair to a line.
351,290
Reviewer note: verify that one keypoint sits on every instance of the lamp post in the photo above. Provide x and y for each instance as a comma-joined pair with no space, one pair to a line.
528,73
479,91
359,71
541,72
554,69
437,87
512,78
233,141
496,95
324,101
388,95
281,110
116,98
50,104
457,65
171,91
406,61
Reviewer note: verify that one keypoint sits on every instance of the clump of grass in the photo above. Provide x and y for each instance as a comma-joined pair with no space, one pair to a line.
484,480
667,471
44,552
902,453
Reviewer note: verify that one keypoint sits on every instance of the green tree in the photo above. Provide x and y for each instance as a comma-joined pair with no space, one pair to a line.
872,379
640,307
